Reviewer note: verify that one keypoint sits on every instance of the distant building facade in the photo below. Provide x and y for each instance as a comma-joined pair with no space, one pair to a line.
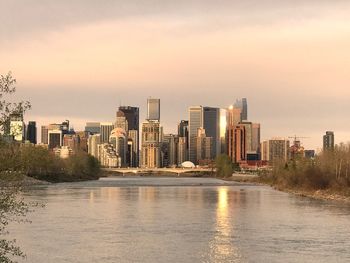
31,135
105,131
328,141
172,142
276,149
195,123
204,145
128,119
93,142
93,127
151,144
153,109
243,105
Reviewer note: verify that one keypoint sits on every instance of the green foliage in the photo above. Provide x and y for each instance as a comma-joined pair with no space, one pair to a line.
224,167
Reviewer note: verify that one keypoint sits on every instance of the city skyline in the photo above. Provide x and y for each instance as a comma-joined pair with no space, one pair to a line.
288,59
174,130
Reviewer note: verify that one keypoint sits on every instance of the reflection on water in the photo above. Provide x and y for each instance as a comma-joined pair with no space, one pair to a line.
223,247
181,220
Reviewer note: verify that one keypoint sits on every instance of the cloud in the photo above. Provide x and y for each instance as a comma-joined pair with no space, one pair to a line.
80,59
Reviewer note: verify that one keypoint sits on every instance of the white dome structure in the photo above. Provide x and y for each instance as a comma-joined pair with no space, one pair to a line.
188,164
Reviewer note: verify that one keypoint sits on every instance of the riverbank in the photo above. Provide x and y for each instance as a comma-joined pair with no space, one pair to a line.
319,194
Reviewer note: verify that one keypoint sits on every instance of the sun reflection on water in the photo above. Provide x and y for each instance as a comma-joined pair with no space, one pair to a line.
222,247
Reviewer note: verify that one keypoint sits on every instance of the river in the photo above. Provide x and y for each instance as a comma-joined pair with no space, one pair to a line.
147,219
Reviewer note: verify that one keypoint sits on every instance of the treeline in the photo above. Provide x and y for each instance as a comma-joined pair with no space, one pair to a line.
42,164
330,170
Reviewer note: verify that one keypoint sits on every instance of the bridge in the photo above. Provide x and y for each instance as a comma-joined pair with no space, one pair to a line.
145,171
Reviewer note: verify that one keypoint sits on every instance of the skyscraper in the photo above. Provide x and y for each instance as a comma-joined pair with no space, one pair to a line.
119,140
211,125
45,134
182,129
328,141
93,142
256,138
128,118
234,117
223,130
182,150
105,131
55,138
151,144
172,142
243,105
153,109
31,132
204,145
195,123
238,153
132,116
93,127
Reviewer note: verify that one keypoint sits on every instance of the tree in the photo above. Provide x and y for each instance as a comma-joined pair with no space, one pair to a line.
7,108
224,166
12,207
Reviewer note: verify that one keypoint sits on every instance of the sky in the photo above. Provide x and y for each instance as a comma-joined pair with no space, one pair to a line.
81,59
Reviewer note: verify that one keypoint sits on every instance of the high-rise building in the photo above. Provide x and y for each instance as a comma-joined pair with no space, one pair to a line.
328,141
132,116
182,128
240,146
234,117
128,119
211,125
119,140
172,141
204,145
108,156
182,150
183,137
153,109
55,138
93,127
276,149
256,138
243,105
93,142
31,132
195,123
83,140
151,144
72,141
45,134
65,127
223,130
106,129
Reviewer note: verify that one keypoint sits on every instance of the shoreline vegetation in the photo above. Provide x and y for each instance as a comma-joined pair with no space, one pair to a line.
326,177
32,165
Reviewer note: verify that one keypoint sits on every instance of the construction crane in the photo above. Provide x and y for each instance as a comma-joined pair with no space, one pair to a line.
297,138
296,148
